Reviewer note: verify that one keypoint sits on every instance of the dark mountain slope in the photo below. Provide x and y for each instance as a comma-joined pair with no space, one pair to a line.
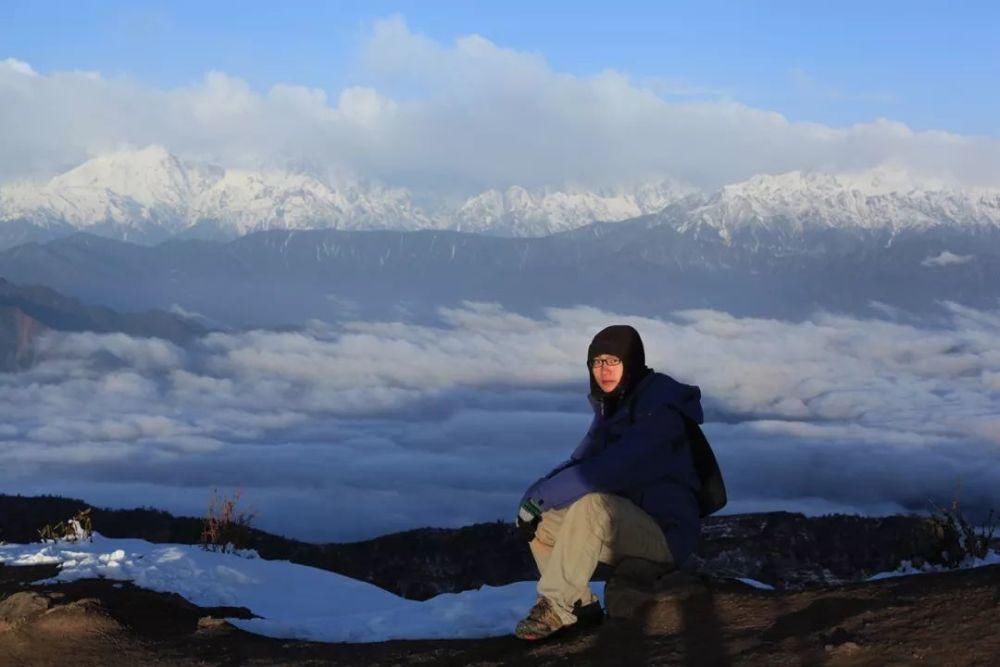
27,312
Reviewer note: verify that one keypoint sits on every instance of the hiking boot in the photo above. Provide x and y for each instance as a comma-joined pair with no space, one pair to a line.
541,621
587,615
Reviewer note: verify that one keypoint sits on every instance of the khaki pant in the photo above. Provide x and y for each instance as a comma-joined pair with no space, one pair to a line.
599,527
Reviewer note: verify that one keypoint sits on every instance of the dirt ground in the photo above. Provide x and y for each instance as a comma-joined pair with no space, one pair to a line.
940,619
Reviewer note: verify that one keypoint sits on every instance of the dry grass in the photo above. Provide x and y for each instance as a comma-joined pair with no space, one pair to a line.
960,540
226,526
77,529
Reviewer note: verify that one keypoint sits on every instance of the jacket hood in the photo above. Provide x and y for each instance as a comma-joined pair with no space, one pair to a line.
685,398
624,342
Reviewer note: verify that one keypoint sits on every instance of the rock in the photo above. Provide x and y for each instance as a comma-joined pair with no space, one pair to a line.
86,617
847,649
636,582
209,623
20,607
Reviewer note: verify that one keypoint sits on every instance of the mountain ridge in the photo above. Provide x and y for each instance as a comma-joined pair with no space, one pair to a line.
150,195
335,275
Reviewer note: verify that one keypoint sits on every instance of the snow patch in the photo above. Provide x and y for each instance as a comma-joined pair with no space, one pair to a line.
753,583
292,601
946,259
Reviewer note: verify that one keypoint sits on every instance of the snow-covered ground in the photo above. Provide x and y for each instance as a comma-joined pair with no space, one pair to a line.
293,601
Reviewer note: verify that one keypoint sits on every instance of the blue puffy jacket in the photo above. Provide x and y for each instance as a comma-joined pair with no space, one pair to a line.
640,452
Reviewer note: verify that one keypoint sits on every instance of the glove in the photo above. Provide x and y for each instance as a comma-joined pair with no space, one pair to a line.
529,515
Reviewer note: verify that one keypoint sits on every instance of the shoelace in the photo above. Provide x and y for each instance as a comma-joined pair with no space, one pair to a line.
539,610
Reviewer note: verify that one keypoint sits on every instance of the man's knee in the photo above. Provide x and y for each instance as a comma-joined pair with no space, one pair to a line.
548,527
543,537
597,507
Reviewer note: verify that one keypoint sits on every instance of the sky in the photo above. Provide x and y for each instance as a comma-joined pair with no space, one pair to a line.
931,65
474,95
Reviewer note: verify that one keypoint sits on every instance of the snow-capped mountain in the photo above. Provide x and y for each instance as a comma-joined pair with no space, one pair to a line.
152,189
133,189
150,194
888,200
520,212
245,201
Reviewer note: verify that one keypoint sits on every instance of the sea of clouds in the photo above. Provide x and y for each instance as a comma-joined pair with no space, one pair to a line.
347,432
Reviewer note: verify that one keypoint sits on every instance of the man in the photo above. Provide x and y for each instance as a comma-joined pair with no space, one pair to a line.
629,489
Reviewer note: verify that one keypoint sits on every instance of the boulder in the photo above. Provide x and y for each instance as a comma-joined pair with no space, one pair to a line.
636,583
21,607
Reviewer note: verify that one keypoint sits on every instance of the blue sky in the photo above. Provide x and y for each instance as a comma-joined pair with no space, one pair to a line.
929,65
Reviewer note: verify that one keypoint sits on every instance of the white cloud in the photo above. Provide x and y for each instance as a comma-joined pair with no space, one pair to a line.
459,116
342,433
18,67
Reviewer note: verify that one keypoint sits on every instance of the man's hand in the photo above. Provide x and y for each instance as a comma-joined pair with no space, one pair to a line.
529,515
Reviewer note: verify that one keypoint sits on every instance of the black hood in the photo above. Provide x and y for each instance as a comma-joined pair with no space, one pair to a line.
624,342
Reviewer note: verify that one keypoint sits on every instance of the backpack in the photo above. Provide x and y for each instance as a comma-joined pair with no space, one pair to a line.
712,495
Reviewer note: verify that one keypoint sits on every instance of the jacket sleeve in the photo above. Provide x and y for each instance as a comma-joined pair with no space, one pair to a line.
650,449
532,491
577,454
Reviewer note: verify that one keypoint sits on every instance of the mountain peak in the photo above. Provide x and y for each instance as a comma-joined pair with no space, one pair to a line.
151,176
518,211
886,197
153,157
882,180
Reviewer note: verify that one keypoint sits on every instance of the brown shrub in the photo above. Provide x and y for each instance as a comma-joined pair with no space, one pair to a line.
78,529
226,526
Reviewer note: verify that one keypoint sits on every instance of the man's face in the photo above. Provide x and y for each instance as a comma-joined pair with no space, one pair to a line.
607,370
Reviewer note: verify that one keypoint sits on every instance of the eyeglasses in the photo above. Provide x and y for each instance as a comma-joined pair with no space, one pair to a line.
611,361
